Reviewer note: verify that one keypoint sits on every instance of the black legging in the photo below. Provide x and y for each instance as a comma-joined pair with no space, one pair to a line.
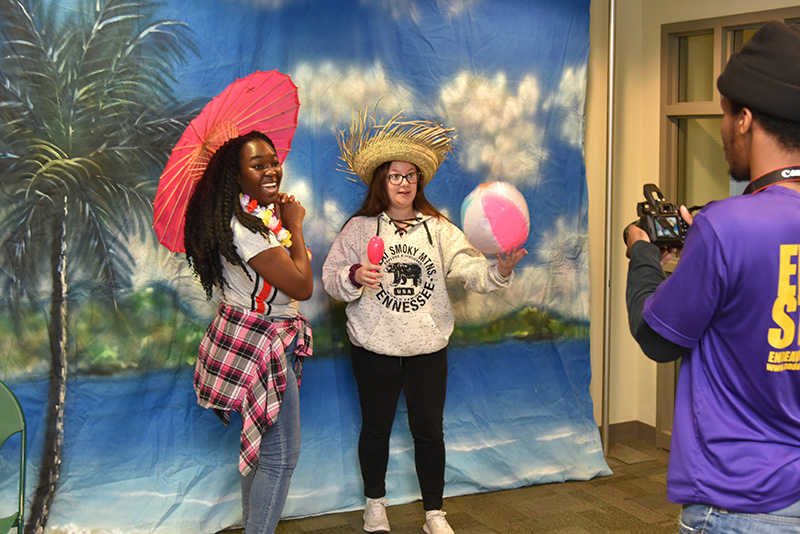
423,379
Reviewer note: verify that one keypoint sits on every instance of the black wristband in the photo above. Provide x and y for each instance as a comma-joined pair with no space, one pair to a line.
352,276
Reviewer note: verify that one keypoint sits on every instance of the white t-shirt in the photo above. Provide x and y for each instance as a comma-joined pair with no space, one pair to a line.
254,293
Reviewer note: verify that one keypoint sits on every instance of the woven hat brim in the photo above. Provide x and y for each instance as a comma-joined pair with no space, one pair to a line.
373,155
369,145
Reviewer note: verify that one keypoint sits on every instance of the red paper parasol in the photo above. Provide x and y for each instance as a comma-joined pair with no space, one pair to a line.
264,101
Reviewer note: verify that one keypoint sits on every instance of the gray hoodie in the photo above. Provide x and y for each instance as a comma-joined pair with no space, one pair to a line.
410,313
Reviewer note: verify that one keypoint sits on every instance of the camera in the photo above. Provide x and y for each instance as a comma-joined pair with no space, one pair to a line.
660,219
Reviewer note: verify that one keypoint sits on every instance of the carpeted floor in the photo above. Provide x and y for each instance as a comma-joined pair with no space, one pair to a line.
631,501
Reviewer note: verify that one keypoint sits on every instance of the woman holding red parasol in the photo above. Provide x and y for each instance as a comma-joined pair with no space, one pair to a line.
251,355
219,200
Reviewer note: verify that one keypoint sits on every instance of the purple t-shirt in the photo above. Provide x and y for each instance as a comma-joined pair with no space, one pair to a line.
733,300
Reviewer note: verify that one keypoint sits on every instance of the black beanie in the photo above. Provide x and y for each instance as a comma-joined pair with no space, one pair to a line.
765,74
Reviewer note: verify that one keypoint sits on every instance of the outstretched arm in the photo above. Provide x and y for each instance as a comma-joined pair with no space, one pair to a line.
645,274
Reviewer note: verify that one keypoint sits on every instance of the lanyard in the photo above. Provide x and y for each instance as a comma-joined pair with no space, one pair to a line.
786,174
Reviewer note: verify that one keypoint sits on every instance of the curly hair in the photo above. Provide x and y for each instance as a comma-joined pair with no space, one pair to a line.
377,199
207,234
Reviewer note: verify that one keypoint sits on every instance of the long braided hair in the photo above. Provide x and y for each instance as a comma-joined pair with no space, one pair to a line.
207,235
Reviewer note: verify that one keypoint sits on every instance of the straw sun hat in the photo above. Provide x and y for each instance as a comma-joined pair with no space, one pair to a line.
369,145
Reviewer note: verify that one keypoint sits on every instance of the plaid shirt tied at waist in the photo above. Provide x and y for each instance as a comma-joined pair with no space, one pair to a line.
241,366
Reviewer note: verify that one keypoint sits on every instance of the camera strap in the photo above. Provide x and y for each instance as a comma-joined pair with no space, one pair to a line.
787,174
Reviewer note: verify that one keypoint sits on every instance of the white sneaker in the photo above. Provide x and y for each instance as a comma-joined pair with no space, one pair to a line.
435,523
375,519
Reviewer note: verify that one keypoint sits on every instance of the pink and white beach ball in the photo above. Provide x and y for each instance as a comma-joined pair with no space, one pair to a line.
495,218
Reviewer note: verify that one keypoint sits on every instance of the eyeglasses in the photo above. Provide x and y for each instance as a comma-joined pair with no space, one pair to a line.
397,179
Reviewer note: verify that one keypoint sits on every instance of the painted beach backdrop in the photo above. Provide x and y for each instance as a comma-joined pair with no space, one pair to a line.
101,325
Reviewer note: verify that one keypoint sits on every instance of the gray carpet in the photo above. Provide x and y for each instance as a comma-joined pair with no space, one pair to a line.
630,501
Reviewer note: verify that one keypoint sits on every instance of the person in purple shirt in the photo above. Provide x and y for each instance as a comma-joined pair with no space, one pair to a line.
730,310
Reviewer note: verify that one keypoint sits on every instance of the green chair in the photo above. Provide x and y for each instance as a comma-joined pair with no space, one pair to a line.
12,421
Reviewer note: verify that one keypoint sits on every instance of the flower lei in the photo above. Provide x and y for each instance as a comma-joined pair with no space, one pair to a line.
267,216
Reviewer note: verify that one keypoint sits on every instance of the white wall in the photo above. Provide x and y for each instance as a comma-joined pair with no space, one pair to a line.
636,151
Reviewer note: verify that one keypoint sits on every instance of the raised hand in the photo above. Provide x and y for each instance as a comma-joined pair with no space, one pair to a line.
291,212
507,261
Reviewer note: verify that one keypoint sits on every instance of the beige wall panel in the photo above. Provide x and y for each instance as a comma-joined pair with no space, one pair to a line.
636,152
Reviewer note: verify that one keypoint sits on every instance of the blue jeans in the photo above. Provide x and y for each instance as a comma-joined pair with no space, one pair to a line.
265,488
702,519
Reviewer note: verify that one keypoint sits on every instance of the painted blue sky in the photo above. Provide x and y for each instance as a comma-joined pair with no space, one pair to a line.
508,75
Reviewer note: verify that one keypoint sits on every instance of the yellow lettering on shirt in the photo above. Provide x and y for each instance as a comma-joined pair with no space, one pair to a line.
785,356
782,337
787,299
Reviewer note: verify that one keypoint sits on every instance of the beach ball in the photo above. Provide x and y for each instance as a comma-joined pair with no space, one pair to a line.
495,218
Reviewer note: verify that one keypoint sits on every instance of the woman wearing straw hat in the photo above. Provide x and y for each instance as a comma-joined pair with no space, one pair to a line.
238,229
399,315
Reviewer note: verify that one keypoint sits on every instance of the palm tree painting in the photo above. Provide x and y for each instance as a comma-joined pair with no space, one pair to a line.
87,119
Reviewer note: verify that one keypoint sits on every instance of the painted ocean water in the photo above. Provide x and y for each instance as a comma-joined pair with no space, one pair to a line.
141,456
